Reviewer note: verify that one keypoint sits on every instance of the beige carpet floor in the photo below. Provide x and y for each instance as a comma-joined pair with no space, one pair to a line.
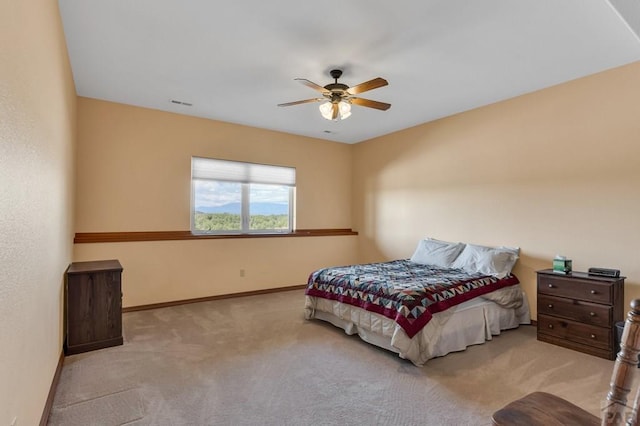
256,361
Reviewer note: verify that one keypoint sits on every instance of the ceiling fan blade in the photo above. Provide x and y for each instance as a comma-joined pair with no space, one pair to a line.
367,85
306,101
334,114
313,85
370,104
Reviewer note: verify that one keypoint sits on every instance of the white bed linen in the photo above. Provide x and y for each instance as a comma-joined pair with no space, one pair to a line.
470,323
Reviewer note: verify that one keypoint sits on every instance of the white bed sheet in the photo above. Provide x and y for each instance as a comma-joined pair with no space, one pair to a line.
470,323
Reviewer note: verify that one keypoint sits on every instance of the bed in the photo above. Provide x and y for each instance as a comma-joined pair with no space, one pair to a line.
447,297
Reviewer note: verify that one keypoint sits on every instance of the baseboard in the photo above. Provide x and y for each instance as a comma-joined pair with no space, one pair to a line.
52,392
210,298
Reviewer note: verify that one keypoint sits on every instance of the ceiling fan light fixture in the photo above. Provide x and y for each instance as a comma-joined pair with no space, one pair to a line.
345,109
326,109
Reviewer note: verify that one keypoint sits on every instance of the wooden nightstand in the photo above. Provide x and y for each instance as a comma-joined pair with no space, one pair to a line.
93,306
579,311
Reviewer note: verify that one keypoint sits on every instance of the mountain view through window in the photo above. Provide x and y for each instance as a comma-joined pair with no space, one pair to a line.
218,206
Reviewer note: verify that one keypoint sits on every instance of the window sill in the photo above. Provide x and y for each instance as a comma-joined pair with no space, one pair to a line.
125,237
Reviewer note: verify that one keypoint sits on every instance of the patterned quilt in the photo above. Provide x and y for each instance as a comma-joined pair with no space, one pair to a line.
406,292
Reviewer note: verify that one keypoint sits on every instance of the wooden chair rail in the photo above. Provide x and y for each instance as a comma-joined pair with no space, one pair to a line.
123,237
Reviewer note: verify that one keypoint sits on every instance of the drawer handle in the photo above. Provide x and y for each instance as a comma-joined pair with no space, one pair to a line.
550,285
593,314
593,292
550,325
593,336
550,305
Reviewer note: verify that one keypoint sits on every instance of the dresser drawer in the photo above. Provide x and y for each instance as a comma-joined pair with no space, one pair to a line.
586,312
573,331
573,288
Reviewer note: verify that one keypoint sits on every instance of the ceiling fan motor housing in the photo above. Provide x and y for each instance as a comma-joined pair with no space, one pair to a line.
336,89
335,97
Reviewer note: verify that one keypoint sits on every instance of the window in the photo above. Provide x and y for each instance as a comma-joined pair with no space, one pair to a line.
231,197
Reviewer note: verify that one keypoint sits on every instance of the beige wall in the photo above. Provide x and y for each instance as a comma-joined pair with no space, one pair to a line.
37,134
554,172
134,168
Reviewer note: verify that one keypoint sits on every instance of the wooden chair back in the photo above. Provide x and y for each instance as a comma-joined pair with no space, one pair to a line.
615,411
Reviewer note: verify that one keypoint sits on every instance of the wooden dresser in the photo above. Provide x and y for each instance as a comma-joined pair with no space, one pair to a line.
579,311
93,306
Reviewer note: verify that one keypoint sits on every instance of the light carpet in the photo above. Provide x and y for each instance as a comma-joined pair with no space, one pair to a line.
256,361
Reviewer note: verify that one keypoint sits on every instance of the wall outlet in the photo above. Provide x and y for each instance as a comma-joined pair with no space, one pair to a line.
242,272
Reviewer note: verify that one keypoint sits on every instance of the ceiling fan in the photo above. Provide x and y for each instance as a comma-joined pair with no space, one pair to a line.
337,97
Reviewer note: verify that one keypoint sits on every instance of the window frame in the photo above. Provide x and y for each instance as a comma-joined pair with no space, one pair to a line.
245,200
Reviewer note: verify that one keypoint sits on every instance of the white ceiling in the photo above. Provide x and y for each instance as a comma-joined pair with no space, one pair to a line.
235,61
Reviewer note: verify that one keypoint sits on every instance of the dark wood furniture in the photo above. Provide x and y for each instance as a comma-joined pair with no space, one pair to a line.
579,311
544,409
93,306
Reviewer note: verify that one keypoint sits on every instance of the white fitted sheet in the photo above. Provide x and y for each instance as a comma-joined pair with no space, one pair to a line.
470,323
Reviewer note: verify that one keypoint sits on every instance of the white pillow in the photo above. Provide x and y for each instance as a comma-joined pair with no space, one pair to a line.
437,253
515,250
487,260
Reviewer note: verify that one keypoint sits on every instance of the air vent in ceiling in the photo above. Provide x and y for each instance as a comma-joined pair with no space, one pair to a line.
173,101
